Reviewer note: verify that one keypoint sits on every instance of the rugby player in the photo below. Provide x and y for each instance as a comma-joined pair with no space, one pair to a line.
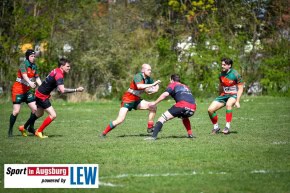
55,79
132,100
231,90
22,90
183,108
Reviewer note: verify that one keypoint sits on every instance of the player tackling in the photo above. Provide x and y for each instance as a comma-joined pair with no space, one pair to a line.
183,108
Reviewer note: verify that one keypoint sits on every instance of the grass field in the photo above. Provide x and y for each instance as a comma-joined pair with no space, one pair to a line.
254,158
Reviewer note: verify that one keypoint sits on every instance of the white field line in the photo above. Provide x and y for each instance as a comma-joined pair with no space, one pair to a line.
158,175
175,174
108,184
185,174
279,142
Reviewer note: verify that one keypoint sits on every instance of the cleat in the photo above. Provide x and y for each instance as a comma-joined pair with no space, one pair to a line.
226,131
40,135
215,131
31,130
150,130
150,139
190,136
22,130
102,135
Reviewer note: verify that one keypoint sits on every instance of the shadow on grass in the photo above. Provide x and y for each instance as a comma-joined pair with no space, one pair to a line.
136,135
149,135
220,133
30,135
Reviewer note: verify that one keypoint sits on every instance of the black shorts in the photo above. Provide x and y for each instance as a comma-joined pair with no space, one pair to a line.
181,112
42,103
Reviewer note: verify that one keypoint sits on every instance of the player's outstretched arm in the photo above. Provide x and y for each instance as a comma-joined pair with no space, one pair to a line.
64,90
160,98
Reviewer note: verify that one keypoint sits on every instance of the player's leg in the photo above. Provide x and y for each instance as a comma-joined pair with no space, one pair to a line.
144,105
214,106
185,113
229,106
13,117
187,125
120,119
46,105
159,124
29,125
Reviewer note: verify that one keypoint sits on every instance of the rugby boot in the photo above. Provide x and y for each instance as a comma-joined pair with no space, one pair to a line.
40,135
22,130
31,130
150,130
215,131
226,131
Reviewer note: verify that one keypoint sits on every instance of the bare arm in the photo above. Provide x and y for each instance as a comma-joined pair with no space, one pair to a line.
64,90
143,86
38,81
239,94
161,98
31,84
152,89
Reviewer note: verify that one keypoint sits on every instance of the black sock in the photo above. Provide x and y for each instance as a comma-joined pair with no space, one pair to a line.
30,122
157,128
11,123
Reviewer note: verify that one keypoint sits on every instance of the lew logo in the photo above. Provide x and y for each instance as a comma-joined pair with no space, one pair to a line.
83,175
51,176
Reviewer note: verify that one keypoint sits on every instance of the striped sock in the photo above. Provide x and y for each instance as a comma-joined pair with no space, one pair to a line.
229,115
109,128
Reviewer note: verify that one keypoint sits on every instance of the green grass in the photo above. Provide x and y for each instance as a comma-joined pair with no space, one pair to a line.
254,158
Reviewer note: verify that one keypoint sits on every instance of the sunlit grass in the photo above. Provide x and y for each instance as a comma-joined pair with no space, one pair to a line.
254,158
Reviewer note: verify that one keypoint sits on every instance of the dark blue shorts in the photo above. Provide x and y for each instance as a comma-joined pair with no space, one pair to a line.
42,103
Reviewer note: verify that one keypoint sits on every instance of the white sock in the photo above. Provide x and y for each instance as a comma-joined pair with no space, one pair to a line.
215,126
228,124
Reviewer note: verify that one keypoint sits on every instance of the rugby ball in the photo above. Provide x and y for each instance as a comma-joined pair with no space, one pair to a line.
150,90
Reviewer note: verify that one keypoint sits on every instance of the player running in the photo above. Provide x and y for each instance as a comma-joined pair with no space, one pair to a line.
184,107
22,90
55,79
231,90
132,100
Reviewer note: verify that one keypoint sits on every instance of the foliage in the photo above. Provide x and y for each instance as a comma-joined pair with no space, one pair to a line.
275,69
109,41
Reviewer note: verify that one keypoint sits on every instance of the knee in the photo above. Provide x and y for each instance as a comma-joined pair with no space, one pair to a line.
118,121
15,112
162,119
229,107
52,116
33,111
210,110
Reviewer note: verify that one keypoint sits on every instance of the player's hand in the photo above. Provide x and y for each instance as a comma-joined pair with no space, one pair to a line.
32,84
237,105
80,89
157,82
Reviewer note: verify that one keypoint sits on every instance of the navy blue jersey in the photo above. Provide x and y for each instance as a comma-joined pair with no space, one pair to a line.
181,94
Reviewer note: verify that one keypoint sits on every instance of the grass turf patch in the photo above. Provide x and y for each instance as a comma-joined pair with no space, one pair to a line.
253,158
